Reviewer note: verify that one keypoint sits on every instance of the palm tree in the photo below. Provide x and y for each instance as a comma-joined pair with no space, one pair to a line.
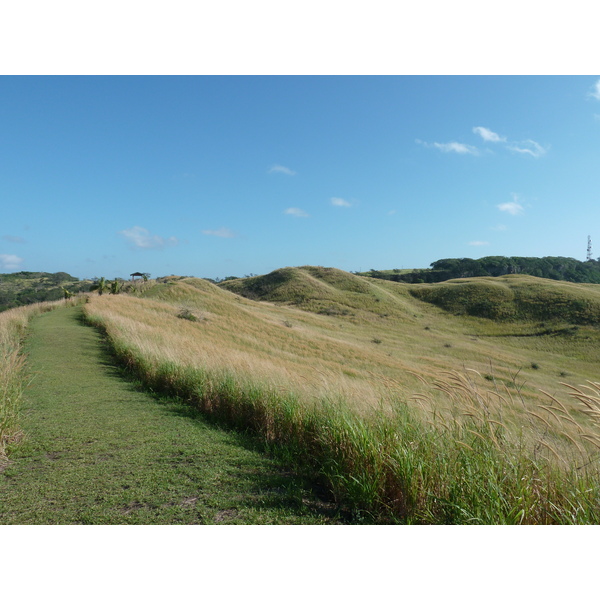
101,285
115,286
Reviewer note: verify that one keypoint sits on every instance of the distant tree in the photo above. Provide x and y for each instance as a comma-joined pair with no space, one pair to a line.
115,286
101,285
59,277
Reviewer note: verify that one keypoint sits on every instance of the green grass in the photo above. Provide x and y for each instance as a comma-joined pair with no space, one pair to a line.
98,450
13,325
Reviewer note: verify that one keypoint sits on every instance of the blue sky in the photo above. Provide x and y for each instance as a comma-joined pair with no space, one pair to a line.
229,175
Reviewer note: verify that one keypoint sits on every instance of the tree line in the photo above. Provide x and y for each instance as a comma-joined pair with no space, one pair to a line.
550,267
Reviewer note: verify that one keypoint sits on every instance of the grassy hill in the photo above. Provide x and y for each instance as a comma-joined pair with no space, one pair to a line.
516,298
361,379
320,290
25,287
534,314
428,402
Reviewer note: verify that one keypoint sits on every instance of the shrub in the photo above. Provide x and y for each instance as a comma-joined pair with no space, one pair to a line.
186,313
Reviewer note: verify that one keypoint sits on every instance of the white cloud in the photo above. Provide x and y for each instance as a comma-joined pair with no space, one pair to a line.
15,239
477,243
10,262
281,169
527,147
512,208
499,228
222,232
295,212
488,135
456,147
530,147
139,237
340,202
595,93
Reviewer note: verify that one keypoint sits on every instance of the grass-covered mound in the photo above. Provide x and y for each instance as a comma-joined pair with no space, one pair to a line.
320,290
515,297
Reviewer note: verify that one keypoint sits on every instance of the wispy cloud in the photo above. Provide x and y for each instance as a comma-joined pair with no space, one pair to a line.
527,147
478,243
139,237
455,147
10,262
512,208
499,228
281,169
295,212
14,239
488,135
595,93
223,232
340,202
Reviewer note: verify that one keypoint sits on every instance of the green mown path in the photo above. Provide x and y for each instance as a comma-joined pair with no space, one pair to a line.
98,450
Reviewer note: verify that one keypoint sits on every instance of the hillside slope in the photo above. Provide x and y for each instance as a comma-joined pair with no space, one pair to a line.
321,290
344,391
516,297
310,324
26,287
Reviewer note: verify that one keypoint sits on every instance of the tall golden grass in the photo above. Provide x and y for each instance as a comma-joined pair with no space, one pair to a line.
387,437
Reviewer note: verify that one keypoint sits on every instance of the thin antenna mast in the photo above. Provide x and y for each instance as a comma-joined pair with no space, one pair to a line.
589,248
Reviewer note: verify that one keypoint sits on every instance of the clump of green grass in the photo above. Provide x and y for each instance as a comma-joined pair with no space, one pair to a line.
187,314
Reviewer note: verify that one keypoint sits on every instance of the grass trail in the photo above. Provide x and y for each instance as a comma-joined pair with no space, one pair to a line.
100,451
